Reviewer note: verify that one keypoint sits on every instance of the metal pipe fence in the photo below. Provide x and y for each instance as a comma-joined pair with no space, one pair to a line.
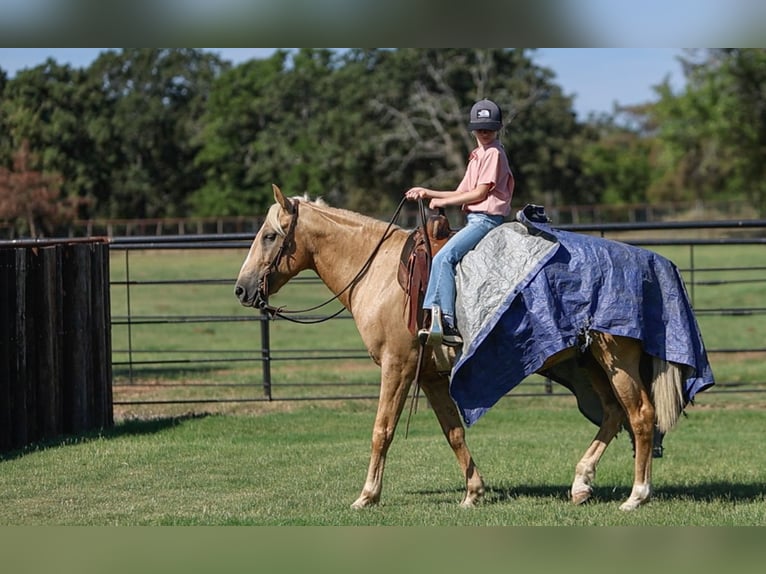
169,367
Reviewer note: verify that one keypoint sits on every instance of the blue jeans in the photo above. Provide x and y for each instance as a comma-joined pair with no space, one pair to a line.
441,282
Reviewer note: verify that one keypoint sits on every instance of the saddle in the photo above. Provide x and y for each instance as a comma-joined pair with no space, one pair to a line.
419,249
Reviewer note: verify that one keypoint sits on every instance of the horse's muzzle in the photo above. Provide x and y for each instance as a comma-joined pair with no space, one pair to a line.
240,292
251,297
248,298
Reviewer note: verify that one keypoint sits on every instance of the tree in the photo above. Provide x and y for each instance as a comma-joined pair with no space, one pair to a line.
424,136
49,109
742,119
296,119
617,165
5,150
361,126
148,128
244,105
713,134
29,199
299,149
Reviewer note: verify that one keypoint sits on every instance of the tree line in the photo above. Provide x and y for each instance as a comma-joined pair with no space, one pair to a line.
146,133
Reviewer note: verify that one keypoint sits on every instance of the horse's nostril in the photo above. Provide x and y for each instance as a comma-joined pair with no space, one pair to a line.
239,291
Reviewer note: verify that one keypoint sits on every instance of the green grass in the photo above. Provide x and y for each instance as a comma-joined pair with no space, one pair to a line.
296,463
306,464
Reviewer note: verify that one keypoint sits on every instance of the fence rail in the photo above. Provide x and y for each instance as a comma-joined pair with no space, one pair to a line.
135,360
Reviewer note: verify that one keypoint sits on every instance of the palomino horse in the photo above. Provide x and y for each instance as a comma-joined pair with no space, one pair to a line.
337,244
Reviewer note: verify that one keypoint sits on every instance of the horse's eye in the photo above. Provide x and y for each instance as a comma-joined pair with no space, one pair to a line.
270,237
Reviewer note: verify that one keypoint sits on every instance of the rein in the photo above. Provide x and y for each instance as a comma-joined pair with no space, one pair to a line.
289,238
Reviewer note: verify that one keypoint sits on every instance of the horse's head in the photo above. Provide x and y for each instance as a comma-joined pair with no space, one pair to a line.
273,258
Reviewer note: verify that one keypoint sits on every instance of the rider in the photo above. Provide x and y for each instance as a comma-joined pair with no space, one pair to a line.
485,196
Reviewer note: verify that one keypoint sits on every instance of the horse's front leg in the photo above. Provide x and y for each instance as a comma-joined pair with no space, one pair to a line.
393,395
436,389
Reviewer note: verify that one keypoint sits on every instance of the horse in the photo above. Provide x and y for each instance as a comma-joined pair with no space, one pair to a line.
357,258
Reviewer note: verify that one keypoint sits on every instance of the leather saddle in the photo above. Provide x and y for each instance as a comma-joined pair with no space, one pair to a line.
419,249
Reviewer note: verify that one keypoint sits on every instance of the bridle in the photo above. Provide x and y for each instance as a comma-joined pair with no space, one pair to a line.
262,295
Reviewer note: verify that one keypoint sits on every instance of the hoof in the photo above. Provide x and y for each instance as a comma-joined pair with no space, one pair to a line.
581,496
632,504
470,500
363,502
638,496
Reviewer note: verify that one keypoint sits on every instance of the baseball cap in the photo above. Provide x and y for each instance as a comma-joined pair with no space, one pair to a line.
485,115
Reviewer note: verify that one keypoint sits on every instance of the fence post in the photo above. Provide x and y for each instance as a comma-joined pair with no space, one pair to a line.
691,278
266,353
130,316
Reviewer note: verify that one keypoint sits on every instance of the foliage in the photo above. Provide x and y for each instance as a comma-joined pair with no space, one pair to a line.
153,99
179,132
236,112
740,117
424,137
270,123
50,109
704,144
28,198
713,133
120,132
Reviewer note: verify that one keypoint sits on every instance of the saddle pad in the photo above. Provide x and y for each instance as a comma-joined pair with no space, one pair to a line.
528,291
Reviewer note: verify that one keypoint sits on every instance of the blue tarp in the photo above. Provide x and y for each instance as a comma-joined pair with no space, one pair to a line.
583,283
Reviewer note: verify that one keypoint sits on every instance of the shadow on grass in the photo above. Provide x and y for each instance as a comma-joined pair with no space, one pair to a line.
131,427
703,492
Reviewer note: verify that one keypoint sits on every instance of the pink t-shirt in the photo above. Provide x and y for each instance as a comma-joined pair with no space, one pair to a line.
489,165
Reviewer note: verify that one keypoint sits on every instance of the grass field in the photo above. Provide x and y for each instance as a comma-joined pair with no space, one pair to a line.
294,462
304,464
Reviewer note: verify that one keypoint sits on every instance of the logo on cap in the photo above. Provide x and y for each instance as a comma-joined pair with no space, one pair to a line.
483,114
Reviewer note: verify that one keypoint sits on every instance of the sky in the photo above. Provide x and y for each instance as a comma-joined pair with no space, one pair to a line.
598,78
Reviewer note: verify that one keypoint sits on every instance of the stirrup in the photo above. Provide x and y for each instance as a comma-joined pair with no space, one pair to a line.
434,337
436,331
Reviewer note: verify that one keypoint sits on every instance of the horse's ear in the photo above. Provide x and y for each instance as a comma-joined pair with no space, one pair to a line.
279,197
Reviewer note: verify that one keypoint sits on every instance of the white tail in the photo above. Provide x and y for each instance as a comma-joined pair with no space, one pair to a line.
667,393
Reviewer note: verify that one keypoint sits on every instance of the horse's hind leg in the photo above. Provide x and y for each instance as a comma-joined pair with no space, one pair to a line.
614,416
436,390
620,358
